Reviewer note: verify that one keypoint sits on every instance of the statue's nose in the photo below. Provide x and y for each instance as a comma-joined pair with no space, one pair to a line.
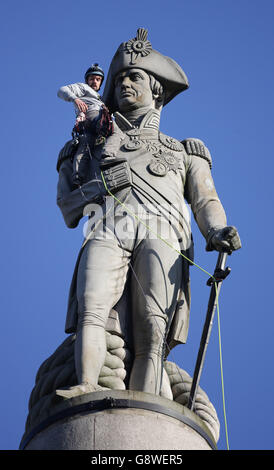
125,83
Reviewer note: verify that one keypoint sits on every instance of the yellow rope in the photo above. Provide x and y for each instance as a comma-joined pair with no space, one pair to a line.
197,266
221,365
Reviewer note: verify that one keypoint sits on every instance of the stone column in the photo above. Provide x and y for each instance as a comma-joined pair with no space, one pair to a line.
118,420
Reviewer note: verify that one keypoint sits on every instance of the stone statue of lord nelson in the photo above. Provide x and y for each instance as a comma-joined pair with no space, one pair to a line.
150,272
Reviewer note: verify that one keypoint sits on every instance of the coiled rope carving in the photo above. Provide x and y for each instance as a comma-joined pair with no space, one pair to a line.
59,371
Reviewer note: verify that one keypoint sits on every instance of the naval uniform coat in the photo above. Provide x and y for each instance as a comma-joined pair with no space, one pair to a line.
167,174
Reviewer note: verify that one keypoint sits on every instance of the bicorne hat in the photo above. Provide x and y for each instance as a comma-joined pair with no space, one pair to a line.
138,53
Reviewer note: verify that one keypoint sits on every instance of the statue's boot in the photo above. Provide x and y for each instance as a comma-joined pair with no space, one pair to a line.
76,390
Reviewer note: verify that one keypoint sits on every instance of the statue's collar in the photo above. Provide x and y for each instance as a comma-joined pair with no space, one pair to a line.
150,121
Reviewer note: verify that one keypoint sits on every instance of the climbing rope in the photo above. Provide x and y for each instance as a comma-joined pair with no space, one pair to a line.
203,270
221,369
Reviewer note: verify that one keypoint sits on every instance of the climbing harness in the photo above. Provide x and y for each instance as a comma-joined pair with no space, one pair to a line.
104,126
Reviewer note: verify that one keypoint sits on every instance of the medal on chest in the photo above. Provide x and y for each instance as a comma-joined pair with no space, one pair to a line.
134,142
163,162
163,151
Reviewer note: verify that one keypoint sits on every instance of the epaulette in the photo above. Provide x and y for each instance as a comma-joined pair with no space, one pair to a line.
68,151
198,148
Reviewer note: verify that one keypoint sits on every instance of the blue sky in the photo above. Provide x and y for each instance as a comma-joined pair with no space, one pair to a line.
226,50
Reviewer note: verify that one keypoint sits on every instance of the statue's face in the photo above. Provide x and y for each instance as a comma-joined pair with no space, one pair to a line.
132,90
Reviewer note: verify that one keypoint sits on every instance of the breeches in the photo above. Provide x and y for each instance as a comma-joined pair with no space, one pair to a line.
155,272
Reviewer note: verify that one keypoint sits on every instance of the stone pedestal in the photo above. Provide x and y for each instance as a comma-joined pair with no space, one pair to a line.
119,420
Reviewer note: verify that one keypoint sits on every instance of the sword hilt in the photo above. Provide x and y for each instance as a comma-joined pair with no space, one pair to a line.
220,273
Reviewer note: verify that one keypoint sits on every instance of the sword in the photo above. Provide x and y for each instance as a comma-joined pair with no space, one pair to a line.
215,282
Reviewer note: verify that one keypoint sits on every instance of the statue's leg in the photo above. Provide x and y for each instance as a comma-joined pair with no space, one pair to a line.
101,278
158,271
